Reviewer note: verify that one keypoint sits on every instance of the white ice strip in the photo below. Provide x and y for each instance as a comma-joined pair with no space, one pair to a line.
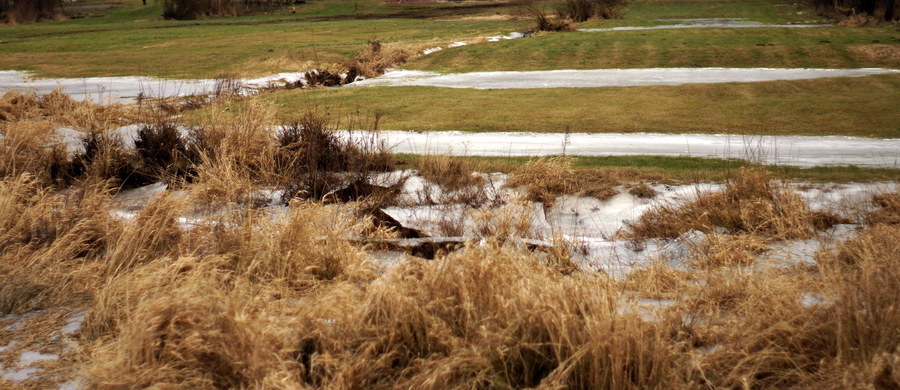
681,26
704,23
802,151
128,89
596,78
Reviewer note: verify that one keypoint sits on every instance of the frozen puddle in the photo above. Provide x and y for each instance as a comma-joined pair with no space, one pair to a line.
596,78
774,150
128,89
704,23
592,225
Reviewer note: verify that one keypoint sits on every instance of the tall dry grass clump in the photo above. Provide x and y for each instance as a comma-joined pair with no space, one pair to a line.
376,58
718,250
60,234
195,336
752,203
60,109
31,147
753,331
235,155
887,209
42,135
544,179
226,316
487,318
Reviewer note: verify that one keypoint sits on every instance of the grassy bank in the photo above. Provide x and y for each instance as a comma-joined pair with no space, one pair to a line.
677,170
838,47
836,106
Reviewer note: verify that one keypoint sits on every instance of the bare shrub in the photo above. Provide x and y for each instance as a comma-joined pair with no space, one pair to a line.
545,22
106,158
315,160
162,150
323,77
582,10
753,203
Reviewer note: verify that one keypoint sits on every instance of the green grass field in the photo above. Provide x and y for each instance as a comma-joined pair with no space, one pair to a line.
133,40
837,47
677,170
836,106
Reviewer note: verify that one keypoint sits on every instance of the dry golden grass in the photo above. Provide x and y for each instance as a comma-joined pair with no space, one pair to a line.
203,288
719,250
888,209
752,203
487,318
26,152
59,109
657,280
642,190
51,246
544,179
377,57
449,172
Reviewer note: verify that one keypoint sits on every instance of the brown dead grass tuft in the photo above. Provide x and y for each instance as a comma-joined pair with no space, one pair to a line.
752,203
61,110
643,191
451,173
486,317
888,211
887,53
30,148
60,234
721,250
658,280
376,58
196,336
544,179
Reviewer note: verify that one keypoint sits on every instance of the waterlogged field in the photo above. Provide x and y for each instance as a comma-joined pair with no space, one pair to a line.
269,237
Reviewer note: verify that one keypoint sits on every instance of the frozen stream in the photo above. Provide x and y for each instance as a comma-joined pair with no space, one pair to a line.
126,89
704,23
776,150
595,78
